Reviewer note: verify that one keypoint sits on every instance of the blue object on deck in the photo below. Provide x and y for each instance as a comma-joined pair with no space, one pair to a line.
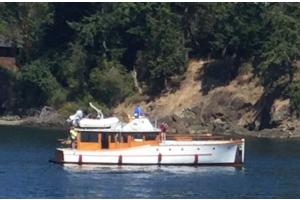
138,111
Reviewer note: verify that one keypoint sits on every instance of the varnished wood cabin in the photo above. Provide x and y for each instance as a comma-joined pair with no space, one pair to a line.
112,140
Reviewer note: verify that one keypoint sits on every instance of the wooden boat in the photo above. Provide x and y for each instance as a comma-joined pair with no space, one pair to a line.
140,143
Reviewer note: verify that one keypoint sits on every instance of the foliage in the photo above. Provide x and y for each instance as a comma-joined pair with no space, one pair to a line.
38,86
154,29
110,83
294,94
68,108
282,44
7,80
24,24
86,52
164,51
73,70
237,31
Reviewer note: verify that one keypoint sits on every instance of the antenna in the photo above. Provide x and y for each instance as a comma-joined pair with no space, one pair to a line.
99,112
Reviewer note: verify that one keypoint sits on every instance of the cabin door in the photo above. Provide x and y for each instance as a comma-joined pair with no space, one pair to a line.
104,141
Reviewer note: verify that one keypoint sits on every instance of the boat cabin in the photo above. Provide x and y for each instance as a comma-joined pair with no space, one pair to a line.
94,140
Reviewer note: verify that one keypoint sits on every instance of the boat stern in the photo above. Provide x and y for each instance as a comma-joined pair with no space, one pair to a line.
58,156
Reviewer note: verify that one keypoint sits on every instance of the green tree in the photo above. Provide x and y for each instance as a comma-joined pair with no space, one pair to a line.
164,53
237,30
73,70
153,29
37,86
23,24
7,87
110,83
282,28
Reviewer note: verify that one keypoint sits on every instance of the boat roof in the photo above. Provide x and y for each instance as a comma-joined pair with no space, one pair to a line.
137,125
113,131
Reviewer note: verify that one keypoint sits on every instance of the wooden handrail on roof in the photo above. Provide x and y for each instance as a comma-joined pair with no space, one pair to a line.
189,137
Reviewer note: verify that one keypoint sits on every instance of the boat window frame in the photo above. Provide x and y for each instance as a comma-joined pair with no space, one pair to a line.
140,137
84,134
123,138
153,136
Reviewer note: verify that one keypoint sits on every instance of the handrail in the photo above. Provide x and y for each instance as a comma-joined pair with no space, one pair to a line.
196,137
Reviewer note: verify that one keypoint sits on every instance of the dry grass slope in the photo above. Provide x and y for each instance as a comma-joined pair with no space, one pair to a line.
189,94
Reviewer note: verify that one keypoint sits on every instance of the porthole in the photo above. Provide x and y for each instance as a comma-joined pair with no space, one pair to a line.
170,149
198,148
214,148
156,149
181,149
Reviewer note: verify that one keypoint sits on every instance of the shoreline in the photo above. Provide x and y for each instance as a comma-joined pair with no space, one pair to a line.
28,122
11,122
263,134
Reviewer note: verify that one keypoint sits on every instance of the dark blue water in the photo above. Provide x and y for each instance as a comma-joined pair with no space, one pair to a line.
272,170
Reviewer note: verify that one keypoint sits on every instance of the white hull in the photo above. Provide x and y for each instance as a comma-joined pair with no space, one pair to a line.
166,153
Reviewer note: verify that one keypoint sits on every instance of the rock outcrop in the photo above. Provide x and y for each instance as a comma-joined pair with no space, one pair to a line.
46,117
234,106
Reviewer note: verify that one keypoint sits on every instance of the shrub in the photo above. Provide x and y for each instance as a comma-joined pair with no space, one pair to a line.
294,95
39,86
110,83
68,108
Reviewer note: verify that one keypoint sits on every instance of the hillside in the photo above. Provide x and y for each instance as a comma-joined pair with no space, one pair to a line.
229,108
222,67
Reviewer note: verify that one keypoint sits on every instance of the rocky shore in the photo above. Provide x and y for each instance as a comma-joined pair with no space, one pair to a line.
175,123
237,105
225,115
11,120
47,117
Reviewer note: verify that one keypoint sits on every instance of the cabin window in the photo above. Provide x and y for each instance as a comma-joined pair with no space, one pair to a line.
89,137
118,137
113,137
137,136
104,141
124,138
150,136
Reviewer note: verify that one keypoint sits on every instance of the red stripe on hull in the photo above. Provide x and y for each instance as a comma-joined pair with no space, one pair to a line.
80,160
59,156
120,160
196,159
159,158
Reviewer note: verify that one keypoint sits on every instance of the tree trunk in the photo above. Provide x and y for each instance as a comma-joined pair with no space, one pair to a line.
224,51
167,87
135,80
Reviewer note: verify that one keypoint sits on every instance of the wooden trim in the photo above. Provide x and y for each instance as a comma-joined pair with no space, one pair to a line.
132,143
217,142
196,137
88,145
99,140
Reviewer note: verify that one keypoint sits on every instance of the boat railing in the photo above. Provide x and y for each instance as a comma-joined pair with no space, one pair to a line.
190,137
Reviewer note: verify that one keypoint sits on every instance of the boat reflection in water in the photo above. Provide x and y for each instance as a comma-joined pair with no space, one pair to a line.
115,169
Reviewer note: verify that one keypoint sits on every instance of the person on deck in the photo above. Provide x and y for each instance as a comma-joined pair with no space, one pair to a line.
138,112
73,135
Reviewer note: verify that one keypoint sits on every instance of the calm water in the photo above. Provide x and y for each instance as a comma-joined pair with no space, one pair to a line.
272,170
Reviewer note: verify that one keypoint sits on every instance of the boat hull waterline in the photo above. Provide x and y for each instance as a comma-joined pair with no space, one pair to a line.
226,152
